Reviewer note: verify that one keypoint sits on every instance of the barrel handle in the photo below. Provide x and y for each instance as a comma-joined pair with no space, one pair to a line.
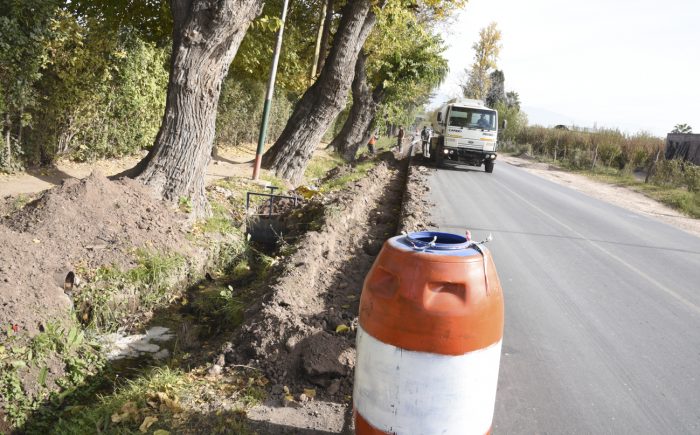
478,246
422,246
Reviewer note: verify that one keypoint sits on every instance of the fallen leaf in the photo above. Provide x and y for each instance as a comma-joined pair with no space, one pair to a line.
341,328
310,392
127,412
147,422
167,403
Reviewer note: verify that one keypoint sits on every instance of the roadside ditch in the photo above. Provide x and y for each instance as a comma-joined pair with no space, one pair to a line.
262,342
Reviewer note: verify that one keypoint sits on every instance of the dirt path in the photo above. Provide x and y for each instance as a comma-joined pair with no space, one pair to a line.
617,195
230,162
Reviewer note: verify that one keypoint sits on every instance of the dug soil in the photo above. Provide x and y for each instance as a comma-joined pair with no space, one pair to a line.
299,333
82,224
302,335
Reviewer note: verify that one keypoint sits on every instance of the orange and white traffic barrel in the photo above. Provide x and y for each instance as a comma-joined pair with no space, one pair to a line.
429,338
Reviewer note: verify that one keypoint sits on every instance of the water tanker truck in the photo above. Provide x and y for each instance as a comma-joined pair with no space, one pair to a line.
465,131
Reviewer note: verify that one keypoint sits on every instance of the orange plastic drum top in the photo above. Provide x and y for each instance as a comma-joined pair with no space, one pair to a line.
445,301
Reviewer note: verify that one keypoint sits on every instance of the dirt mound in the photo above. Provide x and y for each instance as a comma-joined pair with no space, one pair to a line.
80,224
415,209
303,333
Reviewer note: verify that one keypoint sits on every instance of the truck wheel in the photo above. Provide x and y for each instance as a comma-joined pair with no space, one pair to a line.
439,154
488,166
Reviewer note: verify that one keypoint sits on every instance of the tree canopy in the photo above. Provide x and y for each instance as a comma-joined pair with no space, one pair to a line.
486,52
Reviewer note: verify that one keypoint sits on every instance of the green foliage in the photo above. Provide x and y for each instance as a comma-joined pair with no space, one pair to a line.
240,112
168,397
585,149
679,198
405,62
515,119
254,57
21,355
677,173
319,166
682,128
105,94
185,204
486,52
149,19
25,36
112,296
357,173
222,305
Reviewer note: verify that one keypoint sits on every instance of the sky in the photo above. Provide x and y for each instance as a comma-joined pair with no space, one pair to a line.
627,64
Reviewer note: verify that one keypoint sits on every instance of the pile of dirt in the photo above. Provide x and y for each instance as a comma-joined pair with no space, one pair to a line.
415,209
302,334
82,224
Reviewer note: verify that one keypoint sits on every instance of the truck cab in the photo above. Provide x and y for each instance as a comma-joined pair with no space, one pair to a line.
466,132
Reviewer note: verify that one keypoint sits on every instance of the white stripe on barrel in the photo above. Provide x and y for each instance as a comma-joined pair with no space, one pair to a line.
404,392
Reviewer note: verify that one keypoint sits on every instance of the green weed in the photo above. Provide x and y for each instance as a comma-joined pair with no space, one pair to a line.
112,295
679,198
21,356
319,166
185,204
358,172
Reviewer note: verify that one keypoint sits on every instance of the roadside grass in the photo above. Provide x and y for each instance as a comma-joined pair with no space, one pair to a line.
21,355
322,164
111,296
159,401
358,172
678,198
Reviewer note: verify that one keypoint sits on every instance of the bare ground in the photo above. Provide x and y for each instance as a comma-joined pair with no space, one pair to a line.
617,195
230,162
302,334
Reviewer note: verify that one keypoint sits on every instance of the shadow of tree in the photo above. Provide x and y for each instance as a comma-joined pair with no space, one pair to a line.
51,175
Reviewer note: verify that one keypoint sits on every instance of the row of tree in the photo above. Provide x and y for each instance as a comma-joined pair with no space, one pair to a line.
107,77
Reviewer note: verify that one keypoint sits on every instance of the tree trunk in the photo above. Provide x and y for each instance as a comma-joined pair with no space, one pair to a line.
325,35
355,132
206,36
323,101
319,38
8,141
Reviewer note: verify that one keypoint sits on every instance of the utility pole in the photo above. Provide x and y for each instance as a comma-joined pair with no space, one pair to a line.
270,93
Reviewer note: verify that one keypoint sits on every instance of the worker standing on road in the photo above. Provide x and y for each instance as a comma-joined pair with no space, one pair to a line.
425,138
372,142
399,137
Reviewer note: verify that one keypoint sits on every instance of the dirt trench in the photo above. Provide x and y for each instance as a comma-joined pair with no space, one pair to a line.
302,334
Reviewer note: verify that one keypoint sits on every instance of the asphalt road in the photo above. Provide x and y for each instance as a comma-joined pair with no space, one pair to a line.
602,306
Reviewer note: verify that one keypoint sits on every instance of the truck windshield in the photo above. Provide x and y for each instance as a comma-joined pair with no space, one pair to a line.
472,118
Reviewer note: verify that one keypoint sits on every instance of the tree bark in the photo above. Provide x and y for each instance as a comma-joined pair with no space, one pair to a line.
325,35
319,38
8,141
355,132
322,102
206,37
